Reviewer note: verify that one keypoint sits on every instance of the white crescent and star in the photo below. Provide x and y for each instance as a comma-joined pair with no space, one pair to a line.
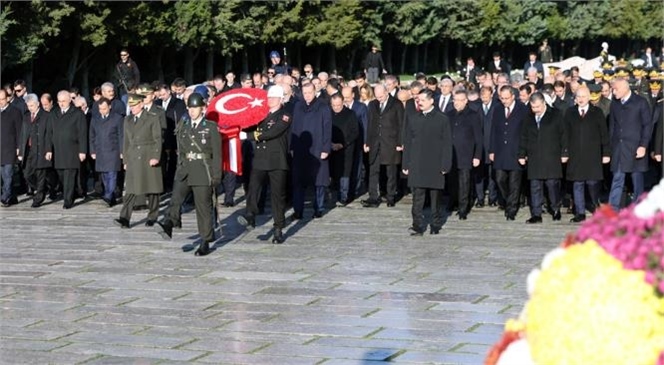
221,103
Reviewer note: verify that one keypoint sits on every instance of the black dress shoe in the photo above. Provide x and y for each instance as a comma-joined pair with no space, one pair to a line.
415,232
249,222
342,203
434,230
278,236
369,203
390,202
203,249
493,204
578,218
35,204
121,222
556,215
109,202
534,219
479,204
67,205
150,223
501,207
510,217
228,204
165,230
297,216
318,214
463,216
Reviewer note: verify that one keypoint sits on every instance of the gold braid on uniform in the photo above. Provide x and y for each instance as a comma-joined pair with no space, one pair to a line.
256,135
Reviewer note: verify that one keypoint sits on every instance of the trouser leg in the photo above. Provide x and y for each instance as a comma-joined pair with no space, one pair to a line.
203,202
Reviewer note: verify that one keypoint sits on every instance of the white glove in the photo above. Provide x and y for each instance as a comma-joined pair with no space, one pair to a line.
243,135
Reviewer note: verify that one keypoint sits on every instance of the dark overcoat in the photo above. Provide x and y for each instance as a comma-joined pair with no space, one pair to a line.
271,152
66,137
345,131
544,147
588,143
35,132
505,136
174,112
141,143
10,132
466,137
427,149
630,127
384,131
311,134
106,142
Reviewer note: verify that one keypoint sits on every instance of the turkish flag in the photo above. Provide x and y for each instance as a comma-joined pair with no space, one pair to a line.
233,111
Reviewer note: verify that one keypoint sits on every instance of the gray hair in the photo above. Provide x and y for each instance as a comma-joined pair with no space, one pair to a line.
107,85
31,98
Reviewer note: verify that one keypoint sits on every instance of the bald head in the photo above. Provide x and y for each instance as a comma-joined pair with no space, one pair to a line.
380,92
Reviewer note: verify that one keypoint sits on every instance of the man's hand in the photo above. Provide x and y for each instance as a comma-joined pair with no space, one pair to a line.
48,156
405,172
81,156
522,161
606,159
243,135
491,156
564,159
658,158
366,148
337,146
154,162
94,156
17,152
323,155
640,152
476,162
20,158
399,148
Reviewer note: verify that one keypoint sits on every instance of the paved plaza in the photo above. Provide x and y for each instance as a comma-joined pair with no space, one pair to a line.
350,288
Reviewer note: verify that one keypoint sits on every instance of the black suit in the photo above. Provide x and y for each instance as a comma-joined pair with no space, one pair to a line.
32,151
383,137
10,130
439,103
467,142
174,111
503,67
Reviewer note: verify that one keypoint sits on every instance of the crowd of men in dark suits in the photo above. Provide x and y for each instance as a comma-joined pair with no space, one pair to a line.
487,137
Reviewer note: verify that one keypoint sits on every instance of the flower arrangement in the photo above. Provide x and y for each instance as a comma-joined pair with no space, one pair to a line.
598,299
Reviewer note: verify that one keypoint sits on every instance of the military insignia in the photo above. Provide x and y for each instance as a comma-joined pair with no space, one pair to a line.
285,118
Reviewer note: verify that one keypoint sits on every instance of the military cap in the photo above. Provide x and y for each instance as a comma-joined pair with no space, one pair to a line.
653,74
655,85
553,69
638,71
598,74
608,65
621,63
245,77
195,99
608,75
622,72
134,99
145,89
595,91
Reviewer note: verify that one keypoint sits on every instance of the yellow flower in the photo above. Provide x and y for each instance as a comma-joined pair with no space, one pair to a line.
587,309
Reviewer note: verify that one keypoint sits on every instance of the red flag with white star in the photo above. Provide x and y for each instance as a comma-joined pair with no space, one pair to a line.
233,111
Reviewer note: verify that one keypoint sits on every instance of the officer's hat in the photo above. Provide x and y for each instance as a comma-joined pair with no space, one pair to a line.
145,89
595,91
608,75
622,72
598,74
553,70
621,63
638,71
195,99
134,99
653,74
655,85
275,91
608,65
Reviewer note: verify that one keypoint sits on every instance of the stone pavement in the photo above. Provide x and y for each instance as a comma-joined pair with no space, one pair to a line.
350,288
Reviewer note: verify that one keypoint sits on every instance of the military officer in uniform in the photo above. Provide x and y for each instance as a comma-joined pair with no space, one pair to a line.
141,152
198,171
271,161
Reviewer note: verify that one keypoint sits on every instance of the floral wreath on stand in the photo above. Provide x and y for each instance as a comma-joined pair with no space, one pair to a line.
599,298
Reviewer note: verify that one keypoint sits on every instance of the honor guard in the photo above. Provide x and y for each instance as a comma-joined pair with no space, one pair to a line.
198,171
270,161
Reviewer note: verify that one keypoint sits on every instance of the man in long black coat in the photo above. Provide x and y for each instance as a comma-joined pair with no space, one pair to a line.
504,148
588,149
32,149
106,135
467,140
484,175
427,146
67,144
544,146
345,132
383,144
310,143
630,129
174,109
10,130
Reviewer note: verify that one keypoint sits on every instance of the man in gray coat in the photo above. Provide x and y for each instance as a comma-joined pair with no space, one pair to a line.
141,152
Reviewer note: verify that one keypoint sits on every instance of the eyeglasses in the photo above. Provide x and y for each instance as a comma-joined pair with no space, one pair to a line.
19,90
270,72
124,54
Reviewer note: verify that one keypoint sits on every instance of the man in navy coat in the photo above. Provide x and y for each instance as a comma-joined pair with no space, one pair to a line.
106,134
311,142
630,129
504,148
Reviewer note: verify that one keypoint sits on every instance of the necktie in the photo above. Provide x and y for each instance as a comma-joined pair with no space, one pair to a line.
507,113
443,105
486,109
583,113
32,120
135,119
623,101
538,119
382,106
